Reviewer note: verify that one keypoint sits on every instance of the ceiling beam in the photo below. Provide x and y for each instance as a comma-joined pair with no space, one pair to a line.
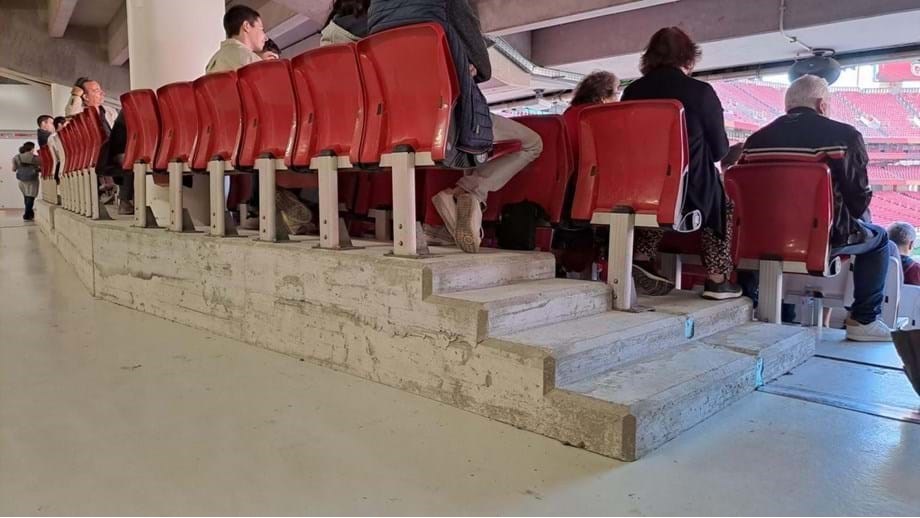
316,10
502,17
59,13
117,37
705,20
276,17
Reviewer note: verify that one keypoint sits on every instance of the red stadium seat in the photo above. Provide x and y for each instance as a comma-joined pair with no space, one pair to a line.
544,180
176,146
96,133
84,190
331,116
330,100
570,117
72,201
95,137
178,125
220,120
46,174
142,125
632,164
783,217
64,136
411,89
80,138
220,117
633,156
44,155
269,128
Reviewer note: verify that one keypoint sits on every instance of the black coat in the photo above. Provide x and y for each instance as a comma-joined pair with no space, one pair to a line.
804,132
706,131
471,135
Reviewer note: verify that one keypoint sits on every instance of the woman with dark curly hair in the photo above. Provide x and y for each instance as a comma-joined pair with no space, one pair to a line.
666,65
598,87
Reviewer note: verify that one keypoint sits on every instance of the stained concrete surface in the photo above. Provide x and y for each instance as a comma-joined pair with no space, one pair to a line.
104,410
834,345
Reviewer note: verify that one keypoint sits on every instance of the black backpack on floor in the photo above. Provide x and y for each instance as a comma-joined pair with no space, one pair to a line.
517,229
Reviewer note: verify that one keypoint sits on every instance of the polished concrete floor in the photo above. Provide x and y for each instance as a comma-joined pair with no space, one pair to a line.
104,410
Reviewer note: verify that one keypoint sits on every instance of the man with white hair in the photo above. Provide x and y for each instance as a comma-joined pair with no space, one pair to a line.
903,235
807,132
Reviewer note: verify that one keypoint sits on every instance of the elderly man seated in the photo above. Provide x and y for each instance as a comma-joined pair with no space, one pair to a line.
903,235
807,132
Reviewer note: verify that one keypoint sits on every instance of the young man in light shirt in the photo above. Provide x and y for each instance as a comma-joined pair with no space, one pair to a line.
245,38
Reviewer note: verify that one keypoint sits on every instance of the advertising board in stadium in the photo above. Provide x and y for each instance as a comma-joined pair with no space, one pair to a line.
898,72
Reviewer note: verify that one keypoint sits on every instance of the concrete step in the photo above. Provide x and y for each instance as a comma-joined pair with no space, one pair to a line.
707,314
515,307
778,348
666,394
598,343
458,272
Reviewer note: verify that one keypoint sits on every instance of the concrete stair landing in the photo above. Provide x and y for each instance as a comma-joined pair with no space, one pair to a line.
493,333
664,371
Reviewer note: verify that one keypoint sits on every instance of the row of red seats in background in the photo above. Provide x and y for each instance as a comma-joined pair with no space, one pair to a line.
328,101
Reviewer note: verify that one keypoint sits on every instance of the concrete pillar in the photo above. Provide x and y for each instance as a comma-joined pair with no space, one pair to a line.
169,41
60,96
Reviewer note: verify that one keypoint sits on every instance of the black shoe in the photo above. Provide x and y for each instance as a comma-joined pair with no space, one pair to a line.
648,283
721,291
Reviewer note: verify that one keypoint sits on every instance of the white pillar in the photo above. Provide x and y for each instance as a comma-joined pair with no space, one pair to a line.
169,41
60,96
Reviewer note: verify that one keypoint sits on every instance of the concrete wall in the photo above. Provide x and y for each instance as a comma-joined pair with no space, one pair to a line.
26,48
20,105
358,312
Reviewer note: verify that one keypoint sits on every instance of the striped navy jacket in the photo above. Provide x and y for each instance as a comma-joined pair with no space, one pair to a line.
804,134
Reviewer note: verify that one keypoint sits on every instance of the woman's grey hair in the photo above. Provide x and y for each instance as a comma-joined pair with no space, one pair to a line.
805,92
903,234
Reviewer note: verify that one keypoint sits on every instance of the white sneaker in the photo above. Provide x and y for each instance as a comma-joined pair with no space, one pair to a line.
446,206
469,223
876,331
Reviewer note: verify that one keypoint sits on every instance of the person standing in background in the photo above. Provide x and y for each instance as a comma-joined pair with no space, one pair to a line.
45,129
26,166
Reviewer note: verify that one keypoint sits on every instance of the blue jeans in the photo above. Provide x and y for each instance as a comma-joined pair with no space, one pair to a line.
869,272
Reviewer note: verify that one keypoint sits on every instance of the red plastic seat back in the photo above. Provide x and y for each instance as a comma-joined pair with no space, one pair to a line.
80,141
330,104
64,137
269,110
411,87
178,124
47,164
142,124
95,133
783,211
571,116
220,119
544,180
632,154
71,151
